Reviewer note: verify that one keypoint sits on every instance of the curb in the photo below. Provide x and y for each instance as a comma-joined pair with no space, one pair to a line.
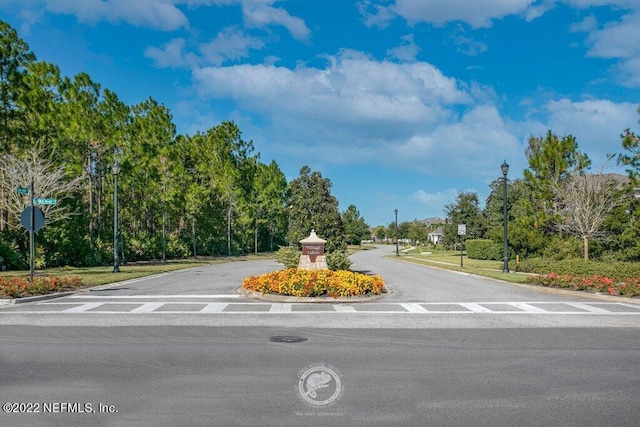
24,300
311,300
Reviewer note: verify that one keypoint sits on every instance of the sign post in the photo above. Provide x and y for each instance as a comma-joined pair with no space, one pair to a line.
32,219
462,230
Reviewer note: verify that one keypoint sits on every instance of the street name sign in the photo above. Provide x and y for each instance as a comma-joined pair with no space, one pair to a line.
40,201
22,190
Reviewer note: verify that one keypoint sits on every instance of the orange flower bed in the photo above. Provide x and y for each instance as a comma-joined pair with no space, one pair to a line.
312,283
21,287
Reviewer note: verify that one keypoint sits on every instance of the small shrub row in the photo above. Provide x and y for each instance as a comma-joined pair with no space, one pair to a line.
313,283
629,287
338,261
290,257
484,249
617,271
17,287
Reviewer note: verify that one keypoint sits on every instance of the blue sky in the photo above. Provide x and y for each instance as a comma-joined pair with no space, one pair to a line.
400,103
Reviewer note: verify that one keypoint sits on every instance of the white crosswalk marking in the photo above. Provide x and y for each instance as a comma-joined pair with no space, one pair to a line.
214,307
84,307
527,307
280,308
588,308
344,308
211,304
413,307
476,308
147,307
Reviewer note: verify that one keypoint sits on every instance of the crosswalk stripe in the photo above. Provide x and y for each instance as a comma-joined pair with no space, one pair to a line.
147,307
588,308
83,308
120,306
413,307
214,307
280,308
476,308
344,308
527,307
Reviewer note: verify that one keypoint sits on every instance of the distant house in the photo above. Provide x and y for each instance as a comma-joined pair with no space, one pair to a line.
436,236
436,221
623,180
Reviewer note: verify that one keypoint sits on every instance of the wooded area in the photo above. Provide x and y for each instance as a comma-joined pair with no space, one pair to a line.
178,195
560,209
209,193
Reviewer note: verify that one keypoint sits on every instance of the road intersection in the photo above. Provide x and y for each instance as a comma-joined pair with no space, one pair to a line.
440,348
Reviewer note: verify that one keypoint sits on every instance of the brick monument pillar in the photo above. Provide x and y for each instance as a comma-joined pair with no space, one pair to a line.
313,257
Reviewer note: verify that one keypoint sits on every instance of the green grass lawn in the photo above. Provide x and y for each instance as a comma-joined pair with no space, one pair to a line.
93,276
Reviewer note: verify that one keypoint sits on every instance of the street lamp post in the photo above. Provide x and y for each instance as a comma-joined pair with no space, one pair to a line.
505,170
397,250
116,171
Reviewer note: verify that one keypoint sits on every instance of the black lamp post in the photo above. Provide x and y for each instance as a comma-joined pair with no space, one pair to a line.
397,251
505,170
116,171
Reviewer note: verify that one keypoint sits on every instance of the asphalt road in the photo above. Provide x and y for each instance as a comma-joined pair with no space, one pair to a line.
441,349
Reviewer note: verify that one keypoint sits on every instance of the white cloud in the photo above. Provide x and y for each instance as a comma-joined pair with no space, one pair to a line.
629,72
375,112
352,90
617,40
439,198
468,147
161,14
478,13
171,55
407,51
375,15
583,4
260,14
537,10
589,23
466,45
596,124
230,44
158,14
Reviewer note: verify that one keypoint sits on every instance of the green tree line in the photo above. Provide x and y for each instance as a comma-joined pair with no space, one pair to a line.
561,207
178,195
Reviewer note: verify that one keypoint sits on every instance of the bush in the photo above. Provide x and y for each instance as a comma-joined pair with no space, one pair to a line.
313,283
11,258
289,256
338,261
560,248
484,249
580,267
21,287
628,287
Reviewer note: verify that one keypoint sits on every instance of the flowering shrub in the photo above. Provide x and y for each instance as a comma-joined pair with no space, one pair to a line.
627,287
312,283
21,287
